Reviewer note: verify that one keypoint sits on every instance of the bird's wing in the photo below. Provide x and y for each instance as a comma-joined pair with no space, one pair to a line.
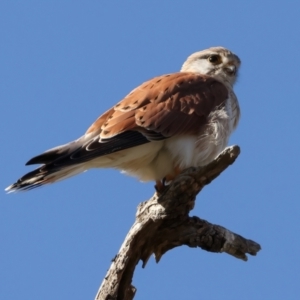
165,106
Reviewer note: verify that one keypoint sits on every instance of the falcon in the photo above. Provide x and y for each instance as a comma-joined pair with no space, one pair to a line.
163,126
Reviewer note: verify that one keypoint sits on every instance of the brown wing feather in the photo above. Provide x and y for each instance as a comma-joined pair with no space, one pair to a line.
169,105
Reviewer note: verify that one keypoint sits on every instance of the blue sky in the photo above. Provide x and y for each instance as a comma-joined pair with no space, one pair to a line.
63,63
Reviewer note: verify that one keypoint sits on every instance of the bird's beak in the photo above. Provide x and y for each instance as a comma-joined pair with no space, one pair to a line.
230,70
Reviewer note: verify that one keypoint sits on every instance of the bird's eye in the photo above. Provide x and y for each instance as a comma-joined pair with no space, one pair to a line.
215,59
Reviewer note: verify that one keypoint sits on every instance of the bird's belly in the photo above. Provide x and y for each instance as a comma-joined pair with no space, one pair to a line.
146,162
173,153
194,151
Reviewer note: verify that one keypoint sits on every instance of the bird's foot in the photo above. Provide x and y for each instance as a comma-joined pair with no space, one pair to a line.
160,186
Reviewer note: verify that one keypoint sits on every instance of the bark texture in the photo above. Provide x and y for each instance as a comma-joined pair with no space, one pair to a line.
163,222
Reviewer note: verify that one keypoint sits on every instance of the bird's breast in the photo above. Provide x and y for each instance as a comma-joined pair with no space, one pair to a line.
199,150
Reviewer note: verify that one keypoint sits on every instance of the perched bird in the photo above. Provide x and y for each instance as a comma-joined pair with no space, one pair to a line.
165,125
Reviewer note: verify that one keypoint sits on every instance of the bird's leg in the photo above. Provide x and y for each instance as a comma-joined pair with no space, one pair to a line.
159,186
162,184
170,177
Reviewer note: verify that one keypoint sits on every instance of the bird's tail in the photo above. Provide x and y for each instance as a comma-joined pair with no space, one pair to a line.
44,175
73,158
53,168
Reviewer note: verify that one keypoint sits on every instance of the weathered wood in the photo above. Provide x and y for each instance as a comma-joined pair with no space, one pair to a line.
163,223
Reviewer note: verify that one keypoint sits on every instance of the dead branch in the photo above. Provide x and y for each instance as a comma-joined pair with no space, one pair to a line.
163,223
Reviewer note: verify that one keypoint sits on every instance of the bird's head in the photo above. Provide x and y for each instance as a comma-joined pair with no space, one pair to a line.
217,62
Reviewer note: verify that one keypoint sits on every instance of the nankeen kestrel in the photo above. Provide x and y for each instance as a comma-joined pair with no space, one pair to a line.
165,125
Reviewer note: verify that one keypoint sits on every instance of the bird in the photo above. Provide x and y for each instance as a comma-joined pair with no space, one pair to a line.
165,125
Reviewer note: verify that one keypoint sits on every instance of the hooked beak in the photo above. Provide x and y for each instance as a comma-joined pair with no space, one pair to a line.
230,70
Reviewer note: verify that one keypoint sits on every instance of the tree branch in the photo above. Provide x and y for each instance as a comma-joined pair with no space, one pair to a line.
162,223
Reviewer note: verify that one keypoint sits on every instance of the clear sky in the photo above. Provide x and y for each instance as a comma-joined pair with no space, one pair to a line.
63,63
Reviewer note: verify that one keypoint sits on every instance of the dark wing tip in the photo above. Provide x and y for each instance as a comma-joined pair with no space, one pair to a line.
55,153
33,161
44,158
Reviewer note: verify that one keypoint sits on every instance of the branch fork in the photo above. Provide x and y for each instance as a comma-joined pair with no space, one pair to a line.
163,223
